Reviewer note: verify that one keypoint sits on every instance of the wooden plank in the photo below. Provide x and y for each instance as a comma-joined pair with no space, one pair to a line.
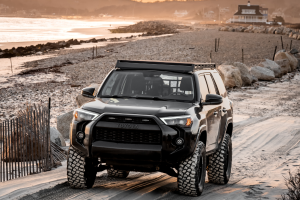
30,140
6,149
1,152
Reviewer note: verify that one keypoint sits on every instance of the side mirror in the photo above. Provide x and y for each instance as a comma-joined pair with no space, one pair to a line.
88,92
213,99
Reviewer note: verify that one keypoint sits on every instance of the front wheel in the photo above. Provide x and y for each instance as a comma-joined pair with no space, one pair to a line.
80,170
219,167
191,173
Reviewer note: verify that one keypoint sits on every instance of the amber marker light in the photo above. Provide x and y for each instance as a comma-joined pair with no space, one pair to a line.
76,114
188,122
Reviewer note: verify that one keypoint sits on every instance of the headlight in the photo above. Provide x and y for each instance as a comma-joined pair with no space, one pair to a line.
185,121
83,115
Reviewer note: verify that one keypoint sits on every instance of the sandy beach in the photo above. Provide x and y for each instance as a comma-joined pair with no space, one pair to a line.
266,127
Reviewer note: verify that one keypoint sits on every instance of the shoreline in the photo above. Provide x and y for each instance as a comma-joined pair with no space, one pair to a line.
90,33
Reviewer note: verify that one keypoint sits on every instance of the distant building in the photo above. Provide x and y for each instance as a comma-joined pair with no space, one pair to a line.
250,14
209,15
180,13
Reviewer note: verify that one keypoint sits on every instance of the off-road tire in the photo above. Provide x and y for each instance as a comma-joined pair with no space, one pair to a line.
192,171
80,170
117,173
219,164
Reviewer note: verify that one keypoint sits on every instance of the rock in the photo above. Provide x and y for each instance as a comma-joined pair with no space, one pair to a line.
230,29
254,79
271,30
293,51
291,34
285,55
269,64
286,31
39,53
284,65
245,73
279,30
56,137
232,76
295,36
80,100
63,124
298,38
262,74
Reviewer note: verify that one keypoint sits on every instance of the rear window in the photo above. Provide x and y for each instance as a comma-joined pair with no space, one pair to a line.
220,84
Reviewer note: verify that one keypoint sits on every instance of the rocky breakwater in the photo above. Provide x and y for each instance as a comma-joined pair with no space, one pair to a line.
238,74
44,48
292,33
151,28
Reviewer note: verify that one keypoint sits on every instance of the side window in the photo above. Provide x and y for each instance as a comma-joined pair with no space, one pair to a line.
211,85
203,87
220,84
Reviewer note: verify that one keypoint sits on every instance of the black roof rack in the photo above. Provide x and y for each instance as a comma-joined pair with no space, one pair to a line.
163,65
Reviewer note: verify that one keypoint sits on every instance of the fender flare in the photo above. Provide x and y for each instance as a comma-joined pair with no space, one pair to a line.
229,121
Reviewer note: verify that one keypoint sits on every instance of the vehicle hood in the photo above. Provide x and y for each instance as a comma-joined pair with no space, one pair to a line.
137,106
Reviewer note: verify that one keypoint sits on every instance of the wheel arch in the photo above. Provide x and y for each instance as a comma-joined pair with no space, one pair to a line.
202,135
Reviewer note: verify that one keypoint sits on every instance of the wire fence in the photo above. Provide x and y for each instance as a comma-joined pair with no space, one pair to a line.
25,145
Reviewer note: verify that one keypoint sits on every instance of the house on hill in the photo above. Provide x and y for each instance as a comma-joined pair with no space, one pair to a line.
250,14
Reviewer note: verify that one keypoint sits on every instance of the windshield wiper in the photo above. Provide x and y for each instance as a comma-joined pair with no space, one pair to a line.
116,96
152,98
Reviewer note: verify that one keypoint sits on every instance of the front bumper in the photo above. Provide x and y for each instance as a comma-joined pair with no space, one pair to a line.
122,153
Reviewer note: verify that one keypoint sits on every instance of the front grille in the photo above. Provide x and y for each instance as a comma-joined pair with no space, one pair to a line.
123,119
127,136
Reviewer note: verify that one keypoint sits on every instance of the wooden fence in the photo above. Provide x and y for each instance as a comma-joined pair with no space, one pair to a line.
25,145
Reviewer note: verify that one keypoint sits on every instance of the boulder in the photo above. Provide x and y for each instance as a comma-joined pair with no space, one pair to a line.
245,73
254,79
285,55
298,38
291,34
271,30
63,124
269,64
295,36
279,30
262,74
230,29
56,137
80,100
293,51
286,31
232,76
284,65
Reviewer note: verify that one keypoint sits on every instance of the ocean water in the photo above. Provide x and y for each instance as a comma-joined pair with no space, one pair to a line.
43,29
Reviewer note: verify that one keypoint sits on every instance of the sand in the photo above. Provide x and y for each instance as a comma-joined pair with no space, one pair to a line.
266,120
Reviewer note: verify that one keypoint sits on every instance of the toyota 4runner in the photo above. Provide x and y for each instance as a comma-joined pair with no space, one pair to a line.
151,116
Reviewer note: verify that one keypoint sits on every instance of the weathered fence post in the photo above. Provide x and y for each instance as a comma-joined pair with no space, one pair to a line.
274,53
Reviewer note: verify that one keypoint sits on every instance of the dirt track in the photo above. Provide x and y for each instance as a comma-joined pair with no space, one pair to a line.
266,146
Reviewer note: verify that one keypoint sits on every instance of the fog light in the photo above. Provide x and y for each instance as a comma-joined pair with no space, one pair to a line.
80,135
179,141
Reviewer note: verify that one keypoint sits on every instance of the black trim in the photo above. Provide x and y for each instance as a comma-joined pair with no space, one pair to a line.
165,66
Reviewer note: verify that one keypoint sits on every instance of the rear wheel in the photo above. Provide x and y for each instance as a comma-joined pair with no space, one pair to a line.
191,173
219,167
80,170
117,173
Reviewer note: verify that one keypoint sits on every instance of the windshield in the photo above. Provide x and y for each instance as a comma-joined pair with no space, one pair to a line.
148,84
